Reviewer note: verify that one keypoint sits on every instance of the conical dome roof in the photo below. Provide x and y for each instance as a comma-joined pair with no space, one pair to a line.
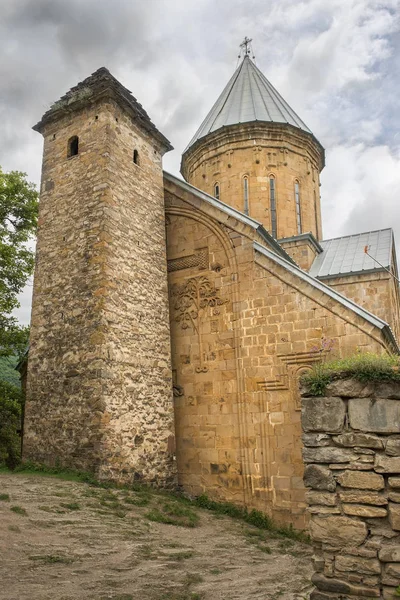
249,96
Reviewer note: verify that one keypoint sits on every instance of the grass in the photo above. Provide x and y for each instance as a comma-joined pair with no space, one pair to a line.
173,513
52,559
364,367
5,497
71,505
173,508
19,510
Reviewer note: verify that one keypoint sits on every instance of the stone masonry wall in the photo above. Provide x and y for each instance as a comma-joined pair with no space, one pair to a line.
99,389
258,152
351,450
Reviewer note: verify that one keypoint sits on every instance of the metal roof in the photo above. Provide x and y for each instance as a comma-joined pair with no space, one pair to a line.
346,255
356,308
249,96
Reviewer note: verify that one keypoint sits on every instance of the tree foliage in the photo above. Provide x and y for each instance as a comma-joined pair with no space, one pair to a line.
18,221
11,400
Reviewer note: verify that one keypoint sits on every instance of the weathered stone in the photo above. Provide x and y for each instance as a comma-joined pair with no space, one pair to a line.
319,478
389,389
394,516
360,480
386,464
323,510
354,466
393,447
381,528
323,414
364,497
390,554
394,496
392,570
358,510
316,439
362,551
375,415
349,388
338,531
322,498
336,586
317,595
328,455
389,593
394,482
358,564
364,440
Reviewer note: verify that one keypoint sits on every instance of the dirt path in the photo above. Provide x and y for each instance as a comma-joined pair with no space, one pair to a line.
62,540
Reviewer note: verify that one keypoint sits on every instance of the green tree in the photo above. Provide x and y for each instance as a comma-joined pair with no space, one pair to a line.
18,221
11,401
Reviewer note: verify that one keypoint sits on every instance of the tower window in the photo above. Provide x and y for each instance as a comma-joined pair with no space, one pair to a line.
216,191
136,157
298,207
246,195
73,146
272,204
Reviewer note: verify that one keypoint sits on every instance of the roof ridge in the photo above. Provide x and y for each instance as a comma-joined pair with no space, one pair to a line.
342,237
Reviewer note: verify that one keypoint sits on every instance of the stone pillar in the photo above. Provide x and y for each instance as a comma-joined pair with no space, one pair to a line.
99,390
352,455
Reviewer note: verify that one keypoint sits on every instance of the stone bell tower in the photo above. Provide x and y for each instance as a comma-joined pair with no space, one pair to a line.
99,388
254,153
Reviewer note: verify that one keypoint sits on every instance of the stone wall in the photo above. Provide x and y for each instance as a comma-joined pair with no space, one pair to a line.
258,152
99,389
351,451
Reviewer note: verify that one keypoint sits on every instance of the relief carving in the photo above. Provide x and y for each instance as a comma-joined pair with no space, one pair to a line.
190,303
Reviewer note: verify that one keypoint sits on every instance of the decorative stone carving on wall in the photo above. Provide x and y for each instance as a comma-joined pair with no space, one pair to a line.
198,259
190,303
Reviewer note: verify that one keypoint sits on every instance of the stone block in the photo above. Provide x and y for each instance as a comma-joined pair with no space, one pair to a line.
393,447
361,480
336,586
386,464
316,439
359,510
363,497
394,516
389,593
394,496
338,531
318,477
323,414
363,440
374,415
325,499
392,570
390,554
328,455
349,388
369,566
390,389
394,482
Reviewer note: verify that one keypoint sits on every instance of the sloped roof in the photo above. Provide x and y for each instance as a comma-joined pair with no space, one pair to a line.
356,308
346,255
101,84
232,212
248,96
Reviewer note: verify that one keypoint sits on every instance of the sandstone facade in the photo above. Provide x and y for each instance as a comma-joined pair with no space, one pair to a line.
355,525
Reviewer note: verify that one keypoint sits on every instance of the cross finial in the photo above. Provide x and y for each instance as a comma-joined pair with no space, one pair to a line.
246,48
246,45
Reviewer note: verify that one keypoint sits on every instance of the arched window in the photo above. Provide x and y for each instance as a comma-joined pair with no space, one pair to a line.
216,190
272,205
316,216
246,195
298,206
136,157
73,146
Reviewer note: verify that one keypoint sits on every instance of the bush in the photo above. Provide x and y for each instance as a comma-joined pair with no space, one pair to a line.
361,366
10,424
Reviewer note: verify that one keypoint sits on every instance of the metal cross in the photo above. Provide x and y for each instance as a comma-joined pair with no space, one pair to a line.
245,45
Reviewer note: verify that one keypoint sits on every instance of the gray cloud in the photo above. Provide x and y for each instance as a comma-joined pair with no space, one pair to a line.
335,62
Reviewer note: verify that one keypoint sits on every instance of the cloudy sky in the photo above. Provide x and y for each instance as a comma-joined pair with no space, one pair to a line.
336,62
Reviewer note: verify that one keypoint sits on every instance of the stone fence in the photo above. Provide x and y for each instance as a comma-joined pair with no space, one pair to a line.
351,453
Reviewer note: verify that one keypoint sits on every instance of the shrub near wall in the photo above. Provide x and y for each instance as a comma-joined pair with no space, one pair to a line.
351,437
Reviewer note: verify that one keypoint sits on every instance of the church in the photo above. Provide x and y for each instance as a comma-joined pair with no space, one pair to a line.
172,318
